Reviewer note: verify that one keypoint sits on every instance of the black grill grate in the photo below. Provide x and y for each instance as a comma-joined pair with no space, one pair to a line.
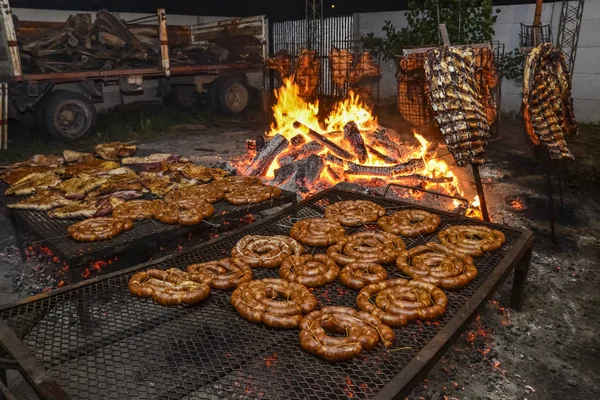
98,341
54,231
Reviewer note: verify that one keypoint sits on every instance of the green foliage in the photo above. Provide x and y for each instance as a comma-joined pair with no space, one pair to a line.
467,21
512,64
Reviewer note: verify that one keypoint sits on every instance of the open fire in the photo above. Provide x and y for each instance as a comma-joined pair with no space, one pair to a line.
308,153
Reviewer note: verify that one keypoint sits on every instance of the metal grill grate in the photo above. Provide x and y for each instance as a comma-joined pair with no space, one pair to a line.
54,231
98,341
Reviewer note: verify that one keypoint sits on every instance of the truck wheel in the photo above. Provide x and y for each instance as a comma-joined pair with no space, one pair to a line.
213,94
40,110
234,97
69,116
184,96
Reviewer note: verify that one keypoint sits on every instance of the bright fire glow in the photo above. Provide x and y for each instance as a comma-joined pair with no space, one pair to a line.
291,108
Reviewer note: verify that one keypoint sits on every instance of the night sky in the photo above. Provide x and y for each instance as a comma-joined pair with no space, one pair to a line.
274,9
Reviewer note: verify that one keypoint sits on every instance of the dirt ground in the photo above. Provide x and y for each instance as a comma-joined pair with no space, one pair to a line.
548,350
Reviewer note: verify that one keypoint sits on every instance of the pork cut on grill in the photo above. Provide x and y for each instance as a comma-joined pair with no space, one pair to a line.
455,98
341,62
281,62
307,72
549,114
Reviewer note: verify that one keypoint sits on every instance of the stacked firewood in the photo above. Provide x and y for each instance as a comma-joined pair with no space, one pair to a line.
80,45
455,98
105,44
549,111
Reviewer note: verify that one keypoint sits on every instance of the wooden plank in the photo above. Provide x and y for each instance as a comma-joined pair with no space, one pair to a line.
164,41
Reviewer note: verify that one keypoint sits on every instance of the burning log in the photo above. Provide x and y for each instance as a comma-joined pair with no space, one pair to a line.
260,164
419,177
334,148
301,153
334,175
330,158
307,171
381,156
407,168
353,135
298,140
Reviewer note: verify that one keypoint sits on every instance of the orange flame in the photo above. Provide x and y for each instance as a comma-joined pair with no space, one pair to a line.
291,108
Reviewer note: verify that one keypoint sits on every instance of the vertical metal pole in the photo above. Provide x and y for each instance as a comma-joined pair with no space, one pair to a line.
479,186
5,115
551,205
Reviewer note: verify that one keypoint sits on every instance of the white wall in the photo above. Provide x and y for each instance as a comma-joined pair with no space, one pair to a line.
586,77
372,23
32,14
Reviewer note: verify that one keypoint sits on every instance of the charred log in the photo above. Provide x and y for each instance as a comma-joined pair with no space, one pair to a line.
330,158
260,164
380,156
298,140
334,175
304,171
423,178
407,168
334,148
308,149
353,135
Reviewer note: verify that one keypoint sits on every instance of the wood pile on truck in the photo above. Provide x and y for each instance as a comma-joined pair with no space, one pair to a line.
107,43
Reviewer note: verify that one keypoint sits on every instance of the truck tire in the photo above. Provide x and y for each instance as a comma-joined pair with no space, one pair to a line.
69,116
40,110
213,94
233,97
184,96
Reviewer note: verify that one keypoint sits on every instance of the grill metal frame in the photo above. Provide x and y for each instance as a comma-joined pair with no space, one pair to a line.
53,232
75,336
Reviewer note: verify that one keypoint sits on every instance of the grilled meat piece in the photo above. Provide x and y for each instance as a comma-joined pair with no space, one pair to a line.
156,183
90,166
77,188
42,160
86,209
153,158
71,156
115,150
281,62
366,69
110,188
33,183
43,200
13,176
307,72
549,114
456,101
202,174
341,61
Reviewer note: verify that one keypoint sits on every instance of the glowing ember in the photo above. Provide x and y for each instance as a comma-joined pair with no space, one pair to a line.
86,273
271,360
517,204
392,159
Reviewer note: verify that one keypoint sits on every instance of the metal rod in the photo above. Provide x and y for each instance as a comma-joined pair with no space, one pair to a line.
551,204
479,186
461,199
560,184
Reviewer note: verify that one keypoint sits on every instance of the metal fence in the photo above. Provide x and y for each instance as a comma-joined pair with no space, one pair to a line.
293,36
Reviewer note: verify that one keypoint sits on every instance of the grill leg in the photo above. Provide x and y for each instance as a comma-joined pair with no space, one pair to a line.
520,281
18,238
480,193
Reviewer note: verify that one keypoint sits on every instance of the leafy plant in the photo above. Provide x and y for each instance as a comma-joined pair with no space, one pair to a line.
512,64
467,21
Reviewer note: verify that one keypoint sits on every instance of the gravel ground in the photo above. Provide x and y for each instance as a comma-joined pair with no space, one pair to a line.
548,350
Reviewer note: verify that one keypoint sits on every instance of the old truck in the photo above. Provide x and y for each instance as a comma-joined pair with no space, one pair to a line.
65,72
